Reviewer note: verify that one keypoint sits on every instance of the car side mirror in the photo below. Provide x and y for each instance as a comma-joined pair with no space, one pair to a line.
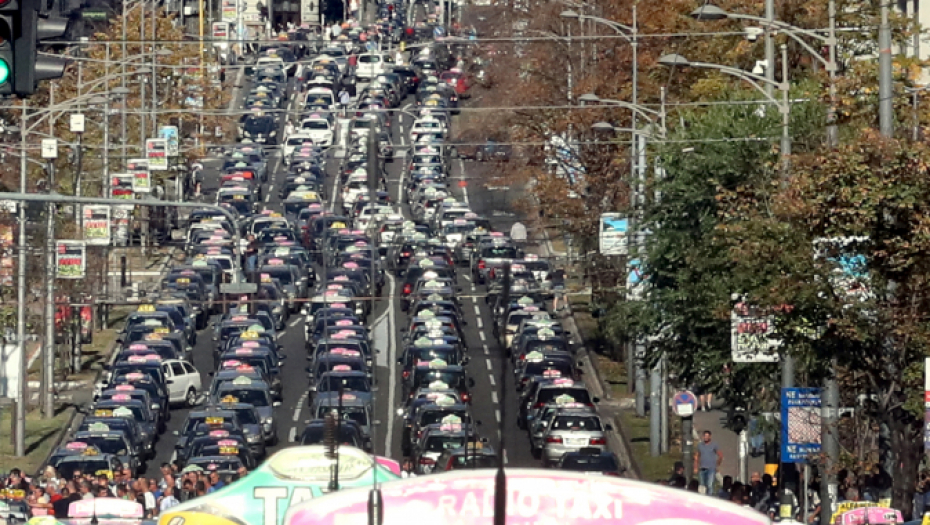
608,427
596,399
175,433
276,404
580,364
471,382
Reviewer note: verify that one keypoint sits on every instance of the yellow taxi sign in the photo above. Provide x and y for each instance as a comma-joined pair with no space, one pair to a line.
249,335
162,330
229,399
90,451
103,412
146,308
213,420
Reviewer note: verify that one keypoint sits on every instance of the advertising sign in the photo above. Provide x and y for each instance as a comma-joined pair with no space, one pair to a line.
532,496
6,255
97,225
156,151
850,274
71,259
800,424
121,186
220,30
290,476
310,11
121,215
844,507
230,10
752,335
927,404
170,134
613,234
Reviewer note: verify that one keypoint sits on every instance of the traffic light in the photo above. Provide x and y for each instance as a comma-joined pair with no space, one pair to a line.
32,29
9,14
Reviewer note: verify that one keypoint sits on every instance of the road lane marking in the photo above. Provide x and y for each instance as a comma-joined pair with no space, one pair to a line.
477,311
488,361
486,350
494,397
299,407
392,377
294,322
497,415
292,435
480,324
492,380
267,196
481,335
462,178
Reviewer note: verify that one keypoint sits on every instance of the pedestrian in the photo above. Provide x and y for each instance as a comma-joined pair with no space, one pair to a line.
726,488
148,497
87,490
288,128
242,472
168,500
344,100
678,475
707,460
251,254
693,485
60,507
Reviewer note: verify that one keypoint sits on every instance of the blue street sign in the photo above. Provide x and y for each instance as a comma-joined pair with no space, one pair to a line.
800,424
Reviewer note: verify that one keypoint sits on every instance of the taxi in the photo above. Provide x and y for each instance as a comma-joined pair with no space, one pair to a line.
88,460
258,394
350,406
449,434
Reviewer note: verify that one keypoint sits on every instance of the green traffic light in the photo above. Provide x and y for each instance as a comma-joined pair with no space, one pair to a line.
4,72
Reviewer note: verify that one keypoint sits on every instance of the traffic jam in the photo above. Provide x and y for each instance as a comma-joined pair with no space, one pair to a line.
316,249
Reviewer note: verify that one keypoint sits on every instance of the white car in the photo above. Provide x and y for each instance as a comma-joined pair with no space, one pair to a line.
354,187
319,129
426,125
184,383
370,65
295,141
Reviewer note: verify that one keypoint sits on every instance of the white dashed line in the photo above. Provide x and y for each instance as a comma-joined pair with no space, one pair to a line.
497,415
267,196
292,435
480,324
494,397
492,380
486,351
477,311
294,322
488,361
481,335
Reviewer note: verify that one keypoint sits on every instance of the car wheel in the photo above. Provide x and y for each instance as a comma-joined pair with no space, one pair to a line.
191,398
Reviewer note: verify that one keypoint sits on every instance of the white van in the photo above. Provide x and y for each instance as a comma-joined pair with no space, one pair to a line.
370,65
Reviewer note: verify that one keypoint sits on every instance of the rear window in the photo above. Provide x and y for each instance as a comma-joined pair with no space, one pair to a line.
588,423
589,463
579,395
472,461
369,59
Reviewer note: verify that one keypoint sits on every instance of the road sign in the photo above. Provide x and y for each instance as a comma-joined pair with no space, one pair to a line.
239,288
49,148
156,151
800,424
684,403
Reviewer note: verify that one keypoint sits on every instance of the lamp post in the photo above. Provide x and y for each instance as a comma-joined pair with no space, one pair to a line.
711,12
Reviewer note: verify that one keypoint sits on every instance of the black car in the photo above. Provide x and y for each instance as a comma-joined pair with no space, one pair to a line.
349,434
592,460
260,129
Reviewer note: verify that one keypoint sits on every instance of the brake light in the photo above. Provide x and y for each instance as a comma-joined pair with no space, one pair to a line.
305,227
416,79
553,439
405,254
539,405
522,357
481,265
427,461
597,441
406,374
408,288
466,398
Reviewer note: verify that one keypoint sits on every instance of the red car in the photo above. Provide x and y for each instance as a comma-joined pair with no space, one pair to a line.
456,78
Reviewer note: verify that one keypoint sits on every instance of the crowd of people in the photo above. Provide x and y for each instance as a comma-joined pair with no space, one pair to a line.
49,494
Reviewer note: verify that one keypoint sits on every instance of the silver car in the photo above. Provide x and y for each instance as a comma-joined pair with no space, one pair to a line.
570,430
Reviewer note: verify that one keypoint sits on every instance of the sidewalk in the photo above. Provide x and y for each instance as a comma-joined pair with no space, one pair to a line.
728,442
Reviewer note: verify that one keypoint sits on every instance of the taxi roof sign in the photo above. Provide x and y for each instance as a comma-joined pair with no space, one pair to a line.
242,381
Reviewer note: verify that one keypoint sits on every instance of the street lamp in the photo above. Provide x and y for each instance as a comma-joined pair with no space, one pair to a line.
710,12
758,82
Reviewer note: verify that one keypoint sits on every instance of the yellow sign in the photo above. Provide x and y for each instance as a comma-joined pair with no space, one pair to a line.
102,412
229,451
146,308
847,506
214,421
249,335
162,330
229,399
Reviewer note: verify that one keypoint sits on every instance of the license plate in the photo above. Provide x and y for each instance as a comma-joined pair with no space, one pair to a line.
576,442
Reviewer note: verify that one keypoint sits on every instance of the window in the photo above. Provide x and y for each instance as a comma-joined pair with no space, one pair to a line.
177,369
188,368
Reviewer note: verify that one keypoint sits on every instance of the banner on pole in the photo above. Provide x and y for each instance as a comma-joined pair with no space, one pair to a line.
614,232
752,335
121,186
6,255
97,225
72,259
170,135
156,151
230,10
800,424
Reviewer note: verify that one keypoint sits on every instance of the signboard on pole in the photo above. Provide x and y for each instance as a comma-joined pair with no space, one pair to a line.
141,177
156,151
752,335
49,149
927,404
635,281
310,11
120,222
71,259
220,30
121,186
170,134
684,403
6,255
800,424
97,225
614,230
230,10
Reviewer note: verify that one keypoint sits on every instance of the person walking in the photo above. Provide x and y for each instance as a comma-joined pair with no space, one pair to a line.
707,461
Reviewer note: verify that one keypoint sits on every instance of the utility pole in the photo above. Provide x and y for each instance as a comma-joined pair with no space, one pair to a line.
48,362
829,406
20,437
769,47
885,91
655,412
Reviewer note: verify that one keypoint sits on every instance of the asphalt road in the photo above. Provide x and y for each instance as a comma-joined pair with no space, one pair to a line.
493,402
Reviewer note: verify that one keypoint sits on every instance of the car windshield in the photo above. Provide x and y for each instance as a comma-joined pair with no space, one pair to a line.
473,461
251,396
330,383
582,463
431,417
282,274
246,416
578,395
106,444
315,125
66,469
501,252
451,379
441,443
369,59
357,414
315,434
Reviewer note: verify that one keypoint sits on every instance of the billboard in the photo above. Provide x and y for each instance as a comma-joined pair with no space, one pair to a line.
170,134
752,335
71,259
800,424
156,151
230,10
614,232
97,225
6,255
121,186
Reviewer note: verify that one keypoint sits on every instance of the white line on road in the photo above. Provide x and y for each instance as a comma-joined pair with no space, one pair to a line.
392,381
497,415
494,397
292,435
294,322
267,196
299,407
477,311
480,324
486,351
481,335
488,362
492,380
